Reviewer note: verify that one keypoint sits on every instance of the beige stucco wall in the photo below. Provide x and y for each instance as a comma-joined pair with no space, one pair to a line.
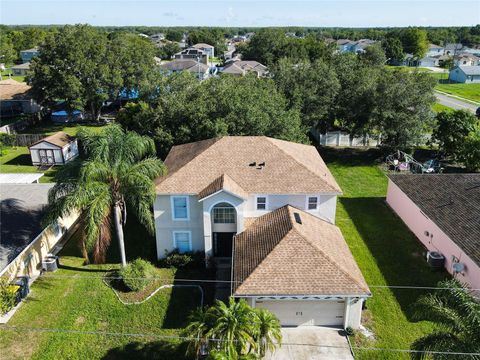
28,262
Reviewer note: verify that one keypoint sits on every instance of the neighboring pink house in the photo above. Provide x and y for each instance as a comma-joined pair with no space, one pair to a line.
443,211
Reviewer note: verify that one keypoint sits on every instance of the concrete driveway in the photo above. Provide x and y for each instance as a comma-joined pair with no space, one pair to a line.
316,343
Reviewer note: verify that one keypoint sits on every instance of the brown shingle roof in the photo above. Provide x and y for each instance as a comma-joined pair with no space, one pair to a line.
452,202
12,89
60,139
223,182
290,168
276,255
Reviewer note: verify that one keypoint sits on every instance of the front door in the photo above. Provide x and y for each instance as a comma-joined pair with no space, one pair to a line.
222,244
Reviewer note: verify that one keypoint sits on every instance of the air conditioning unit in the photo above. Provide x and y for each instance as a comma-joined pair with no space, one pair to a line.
436,260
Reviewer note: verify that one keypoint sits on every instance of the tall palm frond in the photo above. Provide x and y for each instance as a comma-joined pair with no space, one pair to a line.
116,175
456,314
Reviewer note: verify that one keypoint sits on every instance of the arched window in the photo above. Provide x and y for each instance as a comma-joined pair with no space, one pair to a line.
224,213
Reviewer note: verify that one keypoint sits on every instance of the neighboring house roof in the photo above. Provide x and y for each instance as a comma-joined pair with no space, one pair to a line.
344,41
191,51
289,167
202,46
12,89
186,64
241,67
35,49
469,70
291,252
22,207
25,66
433,46
19,178
451,201
59,139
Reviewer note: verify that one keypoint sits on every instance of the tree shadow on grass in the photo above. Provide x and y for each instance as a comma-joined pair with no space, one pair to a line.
23,159
396,251
350,156
160,350
184,300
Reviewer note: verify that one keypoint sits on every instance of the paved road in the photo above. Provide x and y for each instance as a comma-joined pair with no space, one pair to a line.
455,103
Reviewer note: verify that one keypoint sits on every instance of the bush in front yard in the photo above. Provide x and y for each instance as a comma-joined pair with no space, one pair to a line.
138,274
8,295
179,260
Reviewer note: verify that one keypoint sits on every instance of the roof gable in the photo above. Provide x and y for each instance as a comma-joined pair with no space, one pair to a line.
278,256
59,139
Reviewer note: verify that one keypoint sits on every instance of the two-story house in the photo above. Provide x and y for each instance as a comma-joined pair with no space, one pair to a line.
268,206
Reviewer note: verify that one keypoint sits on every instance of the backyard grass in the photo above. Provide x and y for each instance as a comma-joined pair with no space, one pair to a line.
76,302
385,250
49,128
467,91
17,160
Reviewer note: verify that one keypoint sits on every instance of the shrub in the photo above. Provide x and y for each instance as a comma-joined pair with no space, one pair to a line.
7,139
179,260
138,274
8,295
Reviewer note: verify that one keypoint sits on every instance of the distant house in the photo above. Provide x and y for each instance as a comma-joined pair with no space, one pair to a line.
21,70
157,37
465,74
466,59
428,61
435,50
206,48
443,211
15,98
28,55
452,49
242,67
192,54
56,149
25,241
360,45
200,70
344,45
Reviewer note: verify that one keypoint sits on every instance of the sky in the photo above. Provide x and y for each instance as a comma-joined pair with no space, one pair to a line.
319,13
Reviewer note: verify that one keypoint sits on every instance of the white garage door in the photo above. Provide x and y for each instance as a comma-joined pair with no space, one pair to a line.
308,312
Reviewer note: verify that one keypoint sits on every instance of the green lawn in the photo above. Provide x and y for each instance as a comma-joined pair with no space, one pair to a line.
437,107
18,160
86,304
385,250
49,128
467,91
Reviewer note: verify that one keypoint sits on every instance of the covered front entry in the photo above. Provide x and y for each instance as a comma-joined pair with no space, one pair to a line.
306,312
222,244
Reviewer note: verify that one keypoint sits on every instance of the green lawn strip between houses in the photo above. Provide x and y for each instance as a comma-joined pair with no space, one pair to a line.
86,304
385,250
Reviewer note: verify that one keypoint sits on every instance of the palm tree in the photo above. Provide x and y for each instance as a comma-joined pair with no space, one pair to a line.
269,334
116,175
198,329
457,315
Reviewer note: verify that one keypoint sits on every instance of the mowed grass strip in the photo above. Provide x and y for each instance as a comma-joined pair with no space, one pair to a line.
385,250
82,301
467,91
